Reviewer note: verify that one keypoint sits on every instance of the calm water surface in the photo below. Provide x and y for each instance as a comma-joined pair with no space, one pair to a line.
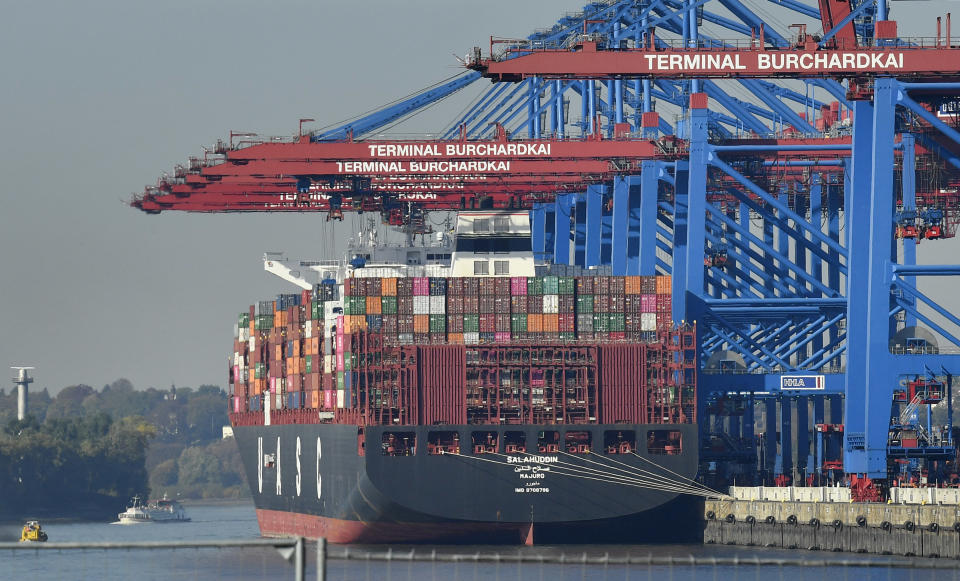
238,521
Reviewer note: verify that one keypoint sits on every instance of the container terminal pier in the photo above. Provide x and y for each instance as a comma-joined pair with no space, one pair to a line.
774,180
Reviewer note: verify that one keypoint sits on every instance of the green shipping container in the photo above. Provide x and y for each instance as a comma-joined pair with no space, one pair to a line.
263,322
358,306
566,285
347,361
388,305
585,304
438,323
259,371
309,364
551,285
471,323
568,336
618,322
518,323
339,380
534,285
244,319
601,322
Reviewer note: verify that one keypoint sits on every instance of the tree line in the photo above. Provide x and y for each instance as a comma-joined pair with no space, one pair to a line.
89,447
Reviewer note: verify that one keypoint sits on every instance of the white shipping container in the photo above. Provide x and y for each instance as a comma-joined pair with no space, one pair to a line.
328,363
648,321
471,338
236,330
244,334
278,401
308,329
421,305
438,305
551,304
253,343
341,398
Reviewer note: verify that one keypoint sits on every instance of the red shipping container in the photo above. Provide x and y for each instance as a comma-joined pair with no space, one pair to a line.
566,303
502,286
502,322
487,303
471,285
486,286
329,399
518,304
534,303
623,390
454,304
488,322
442,380
455,323
455,286
501,303
471,304
567,322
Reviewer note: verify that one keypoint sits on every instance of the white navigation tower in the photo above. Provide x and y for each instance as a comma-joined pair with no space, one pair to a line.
22,380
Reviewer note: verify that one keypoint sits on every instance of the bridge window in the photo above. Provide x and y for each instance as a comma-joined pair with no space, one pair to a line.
501,224
481,226
481,267
501,267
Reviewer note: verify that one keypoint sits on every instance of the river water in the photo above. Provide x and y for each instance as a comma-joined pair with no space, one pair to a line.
238,521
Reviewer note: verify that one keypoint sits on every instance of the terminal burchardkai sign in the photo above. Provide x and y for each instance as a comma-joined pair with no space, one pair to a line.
925,62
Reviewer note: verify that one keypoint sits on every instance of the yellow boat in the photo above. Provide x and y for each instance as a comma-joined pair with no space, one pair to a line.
33,533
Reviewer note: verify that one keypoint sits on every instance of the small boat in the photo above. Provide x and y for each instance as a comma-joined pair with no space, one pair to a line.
33,533
166,510
136,513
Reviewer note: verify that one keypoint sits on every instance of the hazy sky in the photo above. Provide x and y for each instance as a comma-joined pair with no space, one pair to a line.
100,97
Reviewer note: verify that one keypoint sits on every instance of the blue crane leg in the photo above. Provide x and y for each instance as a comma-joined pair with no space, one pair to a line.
622,214
770,434
909,195
786,435
816,263
592,225
803,436
681,205
606,228
580,230
561,229
869,385
538,239
646,224
549,226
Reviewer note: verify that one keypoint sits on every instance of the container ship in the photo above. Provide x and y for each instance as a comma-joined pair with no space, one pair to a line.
459,392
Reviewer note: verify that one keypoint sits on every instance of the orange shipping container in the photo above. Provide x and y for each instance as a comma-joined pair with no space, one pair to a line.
388,287
373,305
664,284
551,323
421,323
634,285
355,323
277,353
456,338
535,323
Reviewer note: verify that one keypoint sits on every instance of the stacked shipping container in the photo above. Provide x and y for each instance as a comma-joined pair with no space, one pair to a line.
302,354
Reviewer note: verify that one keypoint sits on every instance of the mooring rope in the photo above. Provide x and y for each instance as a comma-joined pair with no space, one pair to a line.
660,483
